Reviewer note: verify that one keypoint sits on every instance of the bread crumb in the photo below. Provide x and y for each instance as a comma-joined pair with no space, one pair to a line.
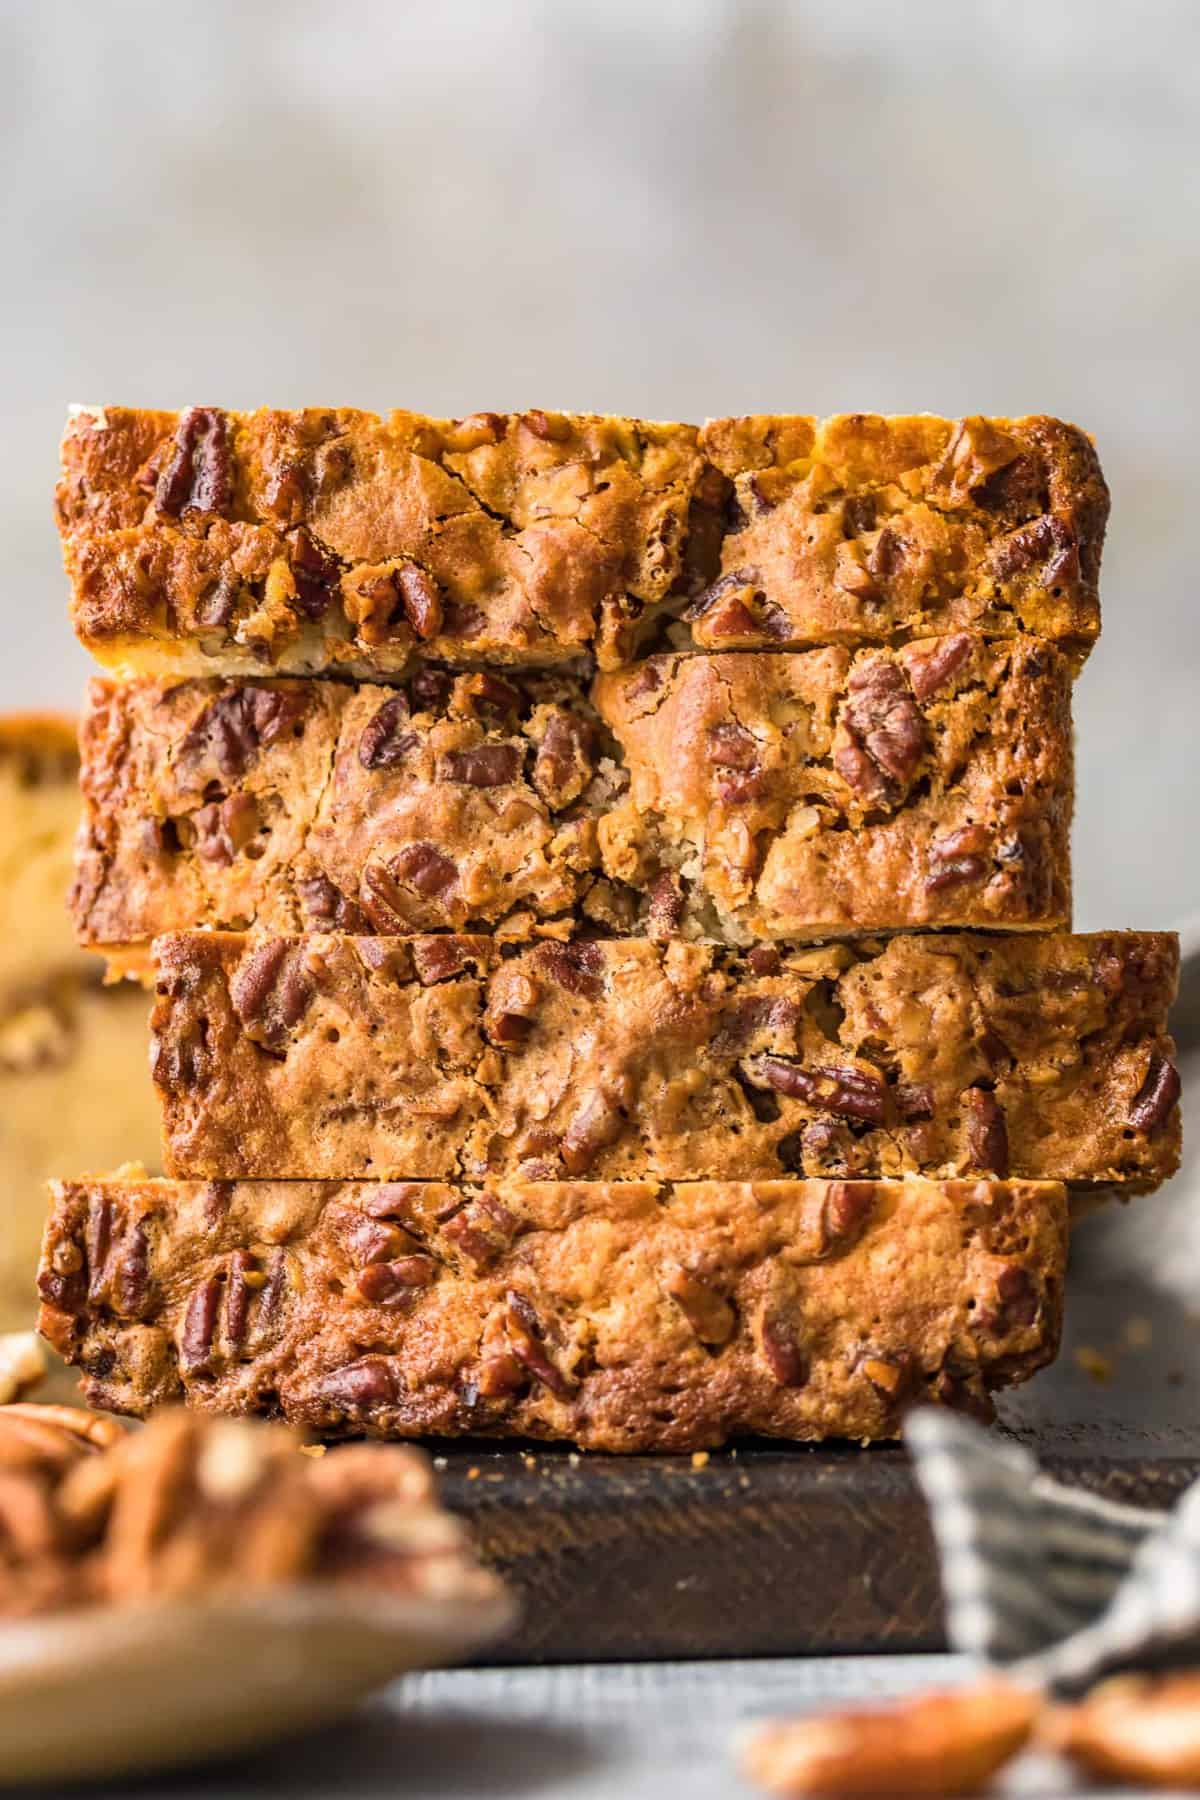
1094,1363
312,1449
472,1474
699,1459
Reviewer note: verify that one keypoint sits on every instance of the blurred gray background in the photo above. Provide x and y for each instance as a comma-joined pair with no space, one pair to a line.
667,207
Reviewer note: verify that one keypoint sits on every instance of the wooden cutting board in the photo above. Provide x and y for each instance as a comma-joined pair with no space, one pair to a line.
768,1550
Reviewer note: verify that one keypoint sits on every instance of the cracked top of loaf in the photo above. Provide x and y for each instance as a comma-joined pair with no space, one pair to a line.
216,542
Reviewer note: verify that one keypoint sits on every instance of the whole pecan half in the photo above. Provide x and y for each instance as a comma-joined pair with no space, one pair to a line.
850,1092
881,733
1157,1096
198,474
270,991
386,739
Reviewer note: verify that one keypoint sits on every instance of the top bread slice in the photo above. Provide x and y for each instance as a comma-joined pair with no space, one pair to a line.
211,542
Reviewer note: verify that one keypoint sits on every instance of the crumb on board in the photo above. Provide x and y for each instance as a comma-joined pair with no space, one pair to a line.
473,1474
700,1459
1094,1363
312,1449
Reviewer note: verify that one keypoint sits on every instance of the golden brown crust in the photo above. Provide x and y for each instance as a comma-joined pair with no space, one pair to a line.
865,527
617,1316
337,539
452,1057
727,797
209,542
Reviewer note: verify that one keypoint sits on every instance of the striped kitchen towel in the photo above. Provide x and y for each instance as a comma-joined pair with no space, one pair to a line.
1050,1581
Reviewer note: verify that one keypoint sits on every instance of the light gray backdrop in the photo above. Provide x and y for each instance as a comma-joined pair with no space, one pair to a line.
672,207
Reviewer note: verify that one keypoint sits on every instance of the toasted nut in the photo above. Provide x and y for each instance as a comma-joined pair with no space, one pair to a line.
1142,1728
937,1744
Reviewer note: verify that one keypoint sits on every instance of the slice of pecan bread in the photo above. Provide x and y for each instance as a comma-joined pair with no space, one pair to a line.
618,1316
1043,1056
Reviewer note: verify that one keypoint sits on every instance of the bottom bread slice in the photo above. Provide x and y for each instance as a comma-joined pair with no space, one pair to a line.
616,1316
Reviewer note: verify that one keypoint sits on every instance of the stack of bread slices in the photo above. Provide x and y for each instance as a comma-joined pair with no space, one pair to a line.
607,890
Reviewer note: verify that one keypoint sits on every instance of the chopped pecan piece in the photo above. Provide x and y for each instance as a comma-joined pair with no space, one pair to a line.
881,733
270,991
386,739
183,1061
552,428
473,431
732,584
525,1334
1016,1297
709,1314
488,766
848,1206
735,752
328,909
914,1100
372,1381
927,673
851,1092
596,1124
1049,541
234,727
512,1008
1157,1096
782,1353
420,866
577,966
563,765
316,573
664,915
482,1231
986,1131
957,857
440,958
391,1283
198,475
223,828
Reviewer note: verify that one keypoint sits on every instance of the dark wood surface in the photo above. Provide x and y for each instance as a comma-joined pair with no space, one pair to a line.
772,1550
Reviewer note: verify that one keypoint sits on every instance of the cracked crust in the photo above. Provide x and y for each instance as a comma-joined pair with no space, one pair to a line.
729,797
830,792
865,527
393,1058
619,1317
213,542
208,542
